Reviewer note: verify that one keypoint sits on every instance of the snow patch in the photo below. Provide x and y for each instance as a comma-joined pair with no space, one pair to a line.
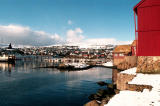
108,64
131,71
133,98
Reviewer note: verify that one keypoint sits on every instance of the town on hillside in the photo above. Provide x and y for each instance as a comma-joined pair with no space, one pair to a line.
66,55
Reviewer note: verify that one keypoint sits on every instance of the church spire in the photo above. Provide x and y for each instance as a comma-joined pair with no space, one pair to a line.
10,46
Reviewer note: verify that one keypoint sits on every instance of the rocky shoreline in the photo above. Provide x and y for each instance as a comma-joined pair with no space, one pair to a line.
102,96
119,84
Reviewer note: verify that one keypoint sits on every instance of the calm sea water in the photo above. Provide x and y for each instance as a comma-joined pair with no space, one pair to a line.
23,85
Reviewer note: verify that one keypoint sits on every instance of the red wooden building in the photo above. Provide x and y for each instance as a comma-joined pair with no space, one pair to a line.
133,47
147,26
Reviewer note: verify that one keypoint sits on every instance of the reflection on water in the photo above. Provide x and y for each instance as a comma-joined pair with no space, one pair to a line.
6,67
23,85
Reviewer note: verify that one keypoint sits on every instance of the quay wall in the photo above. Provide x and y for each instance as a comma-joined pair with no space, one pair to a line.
148,64
122,80
122,83
128,62
117,61
114,75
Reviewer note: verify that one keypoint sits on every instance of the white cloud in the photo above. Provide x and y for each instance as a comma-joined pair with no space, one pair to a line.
14,29
21,35
58,38
78,30
74,36
70,22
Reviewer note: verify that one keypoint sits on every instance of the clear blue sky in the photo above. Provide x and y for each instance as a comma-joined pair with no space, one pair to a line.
97,18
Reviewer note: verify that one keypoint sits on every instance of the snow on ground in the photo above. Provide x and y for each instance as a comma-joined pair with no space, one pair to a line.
131,71
108,64
145,98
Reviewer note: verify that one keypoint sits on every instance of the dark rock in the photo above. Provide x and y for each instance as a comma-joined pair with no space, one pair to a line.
116,91
92,103
91,97
94,97
102,92
105,100
101,83
110,91
112,86
104,95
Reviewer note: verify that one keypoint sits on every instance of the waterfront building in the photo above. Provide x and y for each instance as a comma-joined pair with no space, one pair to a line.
120,52
147,27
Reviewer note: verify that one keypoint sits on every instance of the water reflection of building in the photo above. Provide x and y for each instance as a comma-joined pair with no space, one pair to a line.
6,66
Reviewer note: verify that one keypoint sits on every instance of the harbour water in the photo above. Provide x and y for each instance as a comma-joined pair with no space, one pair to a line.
21,84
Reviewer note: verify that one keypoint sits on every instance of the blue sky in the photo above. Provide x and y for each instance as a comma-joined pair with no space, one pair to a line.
96,18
